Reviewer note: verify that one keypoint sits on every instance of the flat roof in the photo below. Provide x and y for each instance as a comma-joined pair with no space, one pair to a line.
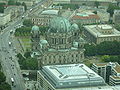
117,68
100,64
51,12
116,77
71,75
94,30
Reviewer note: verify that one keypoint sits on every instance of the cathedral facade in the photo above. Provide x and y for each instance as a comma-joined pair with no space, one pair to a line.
62,43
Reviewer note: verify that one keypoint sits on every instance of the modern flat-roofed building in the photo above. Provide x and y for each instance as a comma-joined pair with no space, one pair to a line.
68,77
109,71
100,33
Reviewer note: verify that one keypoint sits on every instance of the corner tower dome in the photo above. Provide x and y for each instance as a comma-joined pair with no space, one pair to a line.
59,24
35,29
75,27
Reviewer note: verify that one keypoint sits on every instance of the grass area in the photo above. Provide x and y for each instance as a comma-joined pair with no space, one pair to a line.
90,60
26,42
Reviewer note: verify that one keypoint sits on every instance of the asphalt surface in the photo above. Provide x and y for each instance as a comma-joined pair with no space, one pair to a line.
8,53
8,59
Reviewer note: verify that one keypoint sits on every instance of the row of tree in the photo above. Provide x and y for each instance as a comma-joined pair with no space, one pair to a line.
66,6
26,62
3,84
104,48
2,7
109,58
23,31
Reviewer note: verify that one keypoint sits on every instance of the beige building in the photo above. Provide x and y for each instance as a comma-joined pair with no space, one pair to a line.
62,43
100,33
14,11
69,77
4,19
44,18
109,71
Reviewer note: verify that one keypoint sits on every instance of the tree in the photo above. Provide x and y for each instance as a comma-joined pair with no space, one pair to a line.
0,66
21,58
27,54
80,27
2,77
117,26
25,6
5,86
95,12
96,4
18,3
30,64
11,2
111,9
2,7
23,31
90,50
105,58
27,23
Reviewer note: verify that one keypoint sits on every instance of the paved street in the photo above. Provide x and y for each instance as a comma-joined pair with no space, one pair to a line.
8,59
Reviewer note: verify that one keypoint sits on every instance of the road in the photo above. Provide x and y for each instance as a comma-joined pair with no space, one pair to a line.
8,59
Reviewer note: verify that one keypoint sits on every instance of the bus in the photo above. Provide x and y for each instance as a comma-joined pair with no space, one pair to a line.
12,82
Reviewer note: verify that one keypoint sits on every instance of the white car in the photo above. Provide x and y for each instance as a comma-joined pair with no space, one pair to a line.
9,43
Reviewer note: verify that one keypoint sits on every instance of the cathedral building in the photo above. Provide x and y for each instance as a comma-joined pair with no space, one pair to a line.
62,43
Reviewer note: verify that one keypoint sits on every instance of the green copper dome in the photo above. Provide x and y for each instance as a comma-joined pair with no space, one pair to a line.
59,24
75,27
35,28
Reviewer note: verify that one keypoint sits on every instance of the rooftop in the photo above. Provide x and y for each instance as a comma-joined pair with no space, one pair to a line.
117,67
50,12
85,16
115,77
95,30
71,75
100,64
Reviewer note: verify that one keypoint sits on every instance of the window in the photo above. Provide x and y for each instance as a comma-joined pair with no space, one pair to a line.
41,82
49,88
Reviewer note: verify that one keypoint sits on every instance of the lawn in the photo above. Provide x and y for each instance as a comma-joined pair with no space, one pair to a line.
26,42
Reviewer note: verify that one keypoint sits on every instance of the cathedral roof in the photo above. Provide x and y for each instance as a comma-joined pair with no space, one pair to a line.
59,24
